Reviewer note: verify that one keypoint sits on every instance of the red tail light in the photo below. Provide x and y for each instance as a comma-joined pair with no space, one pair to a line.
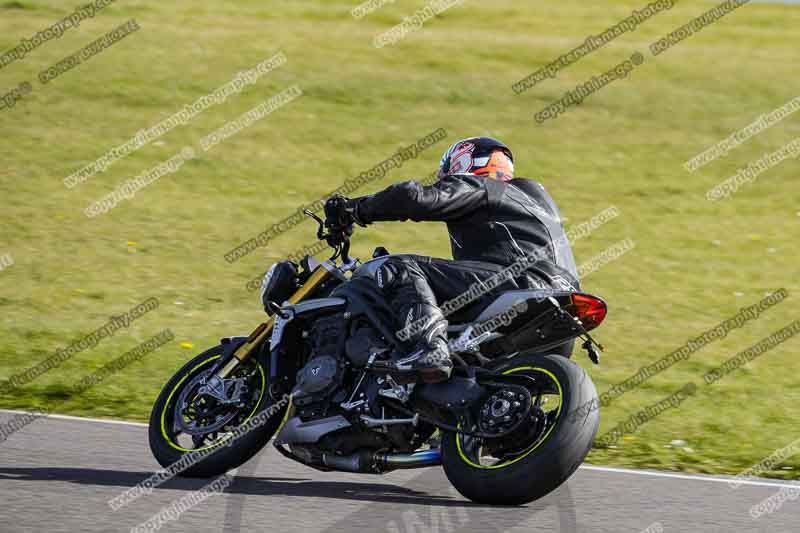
590,310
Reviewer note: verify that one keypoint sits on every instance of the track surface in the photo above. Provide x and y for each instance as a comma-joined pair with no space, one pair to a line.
57,474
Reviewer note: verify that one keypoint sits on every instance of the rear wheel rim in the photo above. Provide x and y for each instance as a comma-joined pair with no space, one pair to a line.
547,398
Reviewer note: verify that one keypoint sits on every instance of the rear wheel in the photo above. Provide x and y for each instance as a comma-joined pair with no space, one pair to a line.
187,419
542,450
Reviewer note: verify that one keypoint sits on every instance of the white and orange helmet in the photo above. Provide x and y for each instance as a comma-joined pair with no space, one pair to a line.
482,156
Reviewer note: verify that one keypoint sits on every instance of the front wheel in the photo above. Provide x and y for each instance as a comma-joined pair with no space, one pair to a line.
204,436
543,451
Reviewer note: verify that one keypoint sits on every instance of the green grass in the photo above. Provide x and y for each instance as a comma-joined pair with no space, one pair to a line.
695,263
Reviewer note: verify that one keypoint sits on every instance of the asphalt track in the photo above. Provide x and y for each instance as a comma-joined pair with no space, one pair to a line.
58,473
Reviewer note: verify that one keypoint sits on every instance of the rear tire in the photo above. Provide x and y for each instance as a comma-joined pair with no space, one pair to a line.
548,464
168,451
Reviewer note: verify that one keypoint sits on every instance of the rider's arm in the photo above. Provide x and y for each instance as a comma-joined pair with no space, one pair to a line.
449,198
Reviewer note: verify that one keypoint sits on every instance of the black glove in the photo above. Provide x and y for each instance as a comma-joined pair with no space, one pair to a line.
352,207
338,221
336,214
341,211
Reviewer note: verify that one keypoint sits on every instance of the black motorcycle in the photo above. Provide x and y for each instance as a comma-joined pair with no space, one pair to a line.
509,426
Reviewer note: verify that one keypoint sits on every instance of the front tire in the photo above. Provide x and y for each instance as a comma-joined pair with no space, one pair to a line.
545,463
220,452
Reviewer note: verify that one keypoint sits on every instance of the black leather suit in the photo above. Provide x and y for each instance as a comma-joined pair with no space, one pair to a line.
491,224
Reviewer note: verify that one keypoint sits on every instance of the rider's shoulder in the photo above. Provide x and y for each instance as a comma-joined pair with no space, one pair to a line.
529,185
467,179
522,180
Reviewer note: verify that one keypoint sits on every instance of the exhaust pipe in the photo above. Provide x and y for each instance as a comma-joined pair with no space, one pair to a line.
369,462
397,461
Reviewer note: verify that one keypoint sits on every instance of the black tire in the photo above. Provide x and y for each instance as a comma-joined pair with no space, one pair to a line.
224,457
547,466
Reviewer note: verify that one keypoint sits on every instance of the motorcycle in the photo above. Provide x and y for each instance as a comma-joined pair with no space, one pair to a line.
509,425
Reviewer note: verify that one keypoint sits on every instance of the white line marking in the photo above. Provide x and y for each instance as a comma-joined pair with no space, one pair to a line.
693,477
593,468
80,418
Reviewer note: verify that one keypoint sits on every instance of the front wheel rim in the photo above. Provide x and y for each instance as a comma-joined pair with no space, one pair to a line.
168,411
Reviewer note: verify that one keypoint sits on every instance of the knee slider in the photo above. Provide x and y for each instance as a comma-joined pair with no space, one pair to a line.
385,276
390,273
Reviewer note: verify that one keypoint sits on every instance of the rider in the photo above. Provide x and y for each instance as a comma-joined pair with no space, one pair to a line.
493,220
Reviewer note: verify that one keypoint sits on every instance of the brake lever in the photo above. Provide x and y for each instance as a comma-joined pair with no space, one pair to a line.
321,230
337,237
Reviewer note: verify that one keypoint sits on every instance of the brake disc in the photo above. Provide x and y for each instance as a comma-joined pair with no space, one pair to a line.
208,414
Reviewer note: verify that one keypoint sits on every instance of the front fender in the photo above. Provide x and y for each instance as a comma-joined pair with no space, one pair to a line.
230,345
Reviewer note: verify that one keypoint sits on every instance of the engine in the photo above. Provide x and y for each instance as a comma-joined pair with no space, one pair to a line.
337,353
332,383
319,387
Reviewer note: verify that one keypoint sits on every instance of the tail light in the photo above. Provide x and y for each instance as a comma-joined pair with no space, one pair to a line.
589,310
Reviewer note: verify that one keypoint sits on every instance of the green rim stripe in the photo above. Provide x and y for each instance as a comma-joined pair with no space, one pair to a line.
177,386
535,445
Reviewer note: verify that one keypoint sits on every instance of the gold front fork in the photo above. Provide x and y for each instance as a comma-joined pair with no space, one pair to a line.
264,329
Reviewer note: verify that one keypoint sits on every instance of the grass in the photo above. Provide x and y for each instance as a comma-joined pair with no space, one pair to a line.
695,262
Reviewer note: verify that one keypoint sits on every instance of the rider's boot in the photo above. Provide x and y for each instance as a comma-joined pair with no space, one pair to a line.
429,359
